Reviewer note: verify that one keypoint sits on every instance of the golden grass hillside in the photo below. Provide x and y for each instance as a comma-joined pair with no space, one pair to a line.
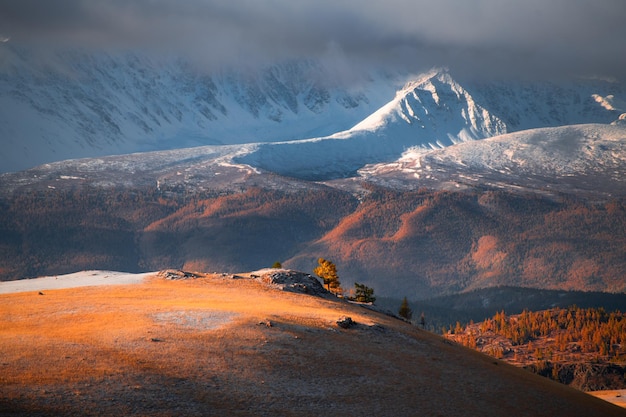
218,346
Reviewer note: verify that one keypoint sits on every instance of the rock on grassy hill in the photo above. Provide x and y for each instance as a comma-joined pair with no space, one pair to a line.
217,344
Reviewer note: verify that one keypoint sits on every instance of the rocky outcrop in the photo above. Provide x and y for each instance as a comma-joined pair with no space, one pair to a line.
174,274
292,281
345,322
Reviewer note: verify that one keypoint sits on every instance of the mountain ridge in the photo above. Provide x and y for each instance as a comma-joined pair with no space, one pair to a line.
583,159
419,243
575,159
80,105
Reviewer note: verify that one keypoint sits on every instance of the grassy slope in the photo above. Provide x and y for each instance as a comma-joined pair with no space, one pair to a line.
196,347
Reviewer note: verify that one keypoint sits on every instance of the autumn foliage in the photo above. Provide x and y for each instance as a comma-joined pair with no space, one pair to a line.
558,334
327,271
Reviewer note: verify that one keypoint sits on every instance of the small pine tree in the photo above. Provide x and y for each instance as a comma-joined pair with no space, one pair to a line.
405,311
363,293
277,265
327,271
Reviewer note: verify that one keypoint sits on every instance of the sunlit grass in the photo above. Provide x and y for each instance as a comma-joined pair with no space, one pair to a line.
204,347
86,333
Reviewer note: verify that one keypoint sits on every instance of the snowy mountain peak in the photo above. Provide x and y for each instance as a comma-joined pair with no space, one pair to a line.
440,111
431,112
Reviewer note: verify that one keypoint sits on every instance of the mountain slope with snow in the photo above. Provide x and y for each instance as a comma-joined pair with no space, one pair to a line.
438,109
76,105
84,105
529,105
433,111
588,159
539,209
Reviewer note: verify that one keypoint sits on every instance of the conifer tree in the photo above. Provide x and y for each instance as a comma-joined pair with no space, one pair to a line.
363,293
327,271
404,310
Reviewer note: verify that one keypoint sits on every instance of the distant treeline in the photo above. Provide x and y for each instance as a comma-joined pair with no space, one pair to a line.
572,329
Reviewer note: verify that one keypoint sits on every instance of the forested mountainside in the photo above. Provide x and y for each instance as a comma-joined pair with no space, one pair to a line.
580,347
402,243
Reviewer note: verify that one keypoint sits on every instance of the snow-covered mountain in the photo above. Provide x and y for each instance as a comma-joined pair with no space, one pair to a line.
432,111
577,159
405,143
529,105
199,208
88,105
77,105
204,207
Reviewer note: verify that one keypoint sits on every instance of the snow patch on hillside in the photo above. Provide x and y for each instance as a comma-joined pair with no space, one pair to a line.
78,279
610,102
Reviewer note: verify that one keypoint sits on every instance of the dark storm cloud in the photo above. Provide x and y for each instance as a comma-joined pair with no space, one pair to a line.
529,36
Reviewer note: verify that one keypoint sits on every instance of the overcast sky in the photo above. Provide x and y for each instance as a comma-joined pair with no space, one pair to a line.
534,37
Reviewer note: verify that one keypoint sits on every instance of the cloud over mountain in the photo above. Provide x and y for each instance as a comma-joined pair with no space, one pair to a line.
529,37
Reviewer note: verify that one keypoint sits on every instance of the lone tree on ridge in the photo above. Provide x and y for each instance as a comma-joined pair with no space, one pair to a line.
327,271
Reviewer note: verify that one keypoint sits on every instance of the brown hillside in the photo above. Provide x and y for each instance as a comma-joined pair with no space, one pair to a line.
241,231
417,244
223,345
428,243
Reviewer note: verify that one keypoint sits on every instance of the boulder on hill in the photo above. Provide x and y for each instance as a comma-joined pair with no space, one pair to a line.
345,322
292,281
174,274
